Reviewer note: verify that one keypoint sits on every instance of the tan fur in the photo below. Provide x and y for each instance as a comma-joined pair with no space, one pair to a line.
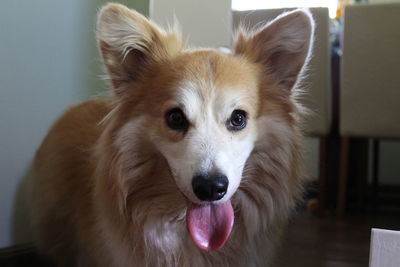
103,193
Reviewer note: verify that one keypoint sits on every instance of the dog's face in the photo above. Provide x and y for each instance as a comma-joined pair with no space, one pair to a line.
207,124
202,110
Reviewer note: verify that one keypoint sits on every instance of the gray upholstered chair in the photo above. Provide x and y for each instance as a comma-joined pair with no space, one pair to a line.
370,80
317,93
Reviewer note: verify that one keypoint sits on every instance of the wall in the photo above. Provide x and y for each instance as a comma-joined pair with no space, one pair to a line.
48,60
204,23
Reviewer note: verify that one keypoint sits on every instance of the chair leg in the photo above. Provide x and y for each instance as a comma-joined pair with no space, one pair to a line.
375,174
322,175
343,176
362,171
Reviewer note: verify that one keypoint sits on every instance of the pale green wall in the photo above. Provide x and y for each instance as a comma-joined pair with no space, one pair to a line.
48,60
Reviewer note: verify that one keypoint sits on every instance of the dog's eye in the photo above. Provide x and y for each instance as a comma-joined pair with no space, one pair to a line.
238,120
176,120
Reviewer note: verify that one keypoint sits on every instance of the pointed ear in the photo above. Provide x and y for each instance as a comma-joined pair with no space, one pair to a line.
282,47
128,43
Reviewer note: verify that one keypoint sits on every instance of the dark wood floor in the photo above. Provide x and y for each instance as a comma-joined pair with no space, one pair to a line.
313,241
310,241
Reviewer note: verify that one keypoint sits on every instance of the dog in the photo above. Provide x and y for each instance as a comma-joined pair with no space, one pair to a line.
195,158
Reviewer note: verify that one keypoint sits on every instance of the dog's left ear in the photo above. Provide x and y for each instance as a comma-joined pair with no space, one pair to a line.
282,47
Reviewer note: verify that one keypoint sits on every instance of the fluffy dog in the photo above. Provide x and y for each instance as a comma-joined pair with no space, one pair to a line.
195,159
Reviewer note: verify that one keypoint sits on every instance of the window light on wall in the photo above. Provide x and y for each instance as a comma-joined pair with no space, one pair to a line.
269,4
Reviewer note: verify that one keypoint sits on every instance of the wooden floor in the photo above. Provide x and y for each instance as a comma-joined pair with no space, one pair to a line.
310,241
313,241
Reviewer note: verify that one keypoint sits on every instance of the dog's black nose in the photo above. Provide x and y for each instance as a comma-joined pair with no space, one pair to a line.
210,187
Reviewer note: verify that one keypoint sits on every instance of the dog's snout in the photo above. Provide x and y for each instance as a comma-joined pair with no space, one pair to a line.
210,187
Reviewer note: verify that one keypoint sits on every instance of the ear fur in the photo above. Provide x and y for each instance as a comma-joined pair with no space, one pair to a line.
282,47
129,42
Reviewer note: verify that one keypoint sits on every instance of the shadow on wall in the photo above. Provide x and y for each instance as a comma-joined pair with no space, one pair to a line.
21,227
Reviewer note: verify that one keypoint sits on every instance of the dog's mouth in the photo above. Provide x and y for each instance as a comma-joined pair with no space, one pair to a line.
210,225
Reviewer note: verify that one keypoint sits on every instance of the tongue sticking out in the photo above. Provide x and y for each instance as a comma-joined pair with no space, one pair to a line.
210,225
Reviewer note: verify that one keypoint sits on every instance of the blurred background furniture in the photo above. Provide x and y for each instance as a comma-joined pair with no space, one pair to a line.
370,86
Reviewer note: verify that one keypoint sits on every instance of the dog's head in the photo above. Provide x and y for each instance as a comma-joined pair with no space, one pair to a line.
200,109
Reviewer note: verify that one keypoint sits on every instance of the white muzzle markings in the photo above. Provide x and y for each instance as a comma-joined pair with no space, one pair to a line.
208,146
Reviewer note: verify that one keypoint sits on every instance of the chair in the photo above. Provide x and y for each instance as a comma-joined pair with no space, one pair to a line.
370,81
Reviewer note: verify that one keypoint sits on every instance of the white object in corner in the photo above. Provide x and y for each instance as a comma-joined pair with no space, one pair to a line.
385,248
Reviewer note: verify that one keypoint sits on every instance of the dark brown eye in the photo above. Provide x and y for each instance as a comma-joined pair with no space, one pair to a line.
238,120
176,120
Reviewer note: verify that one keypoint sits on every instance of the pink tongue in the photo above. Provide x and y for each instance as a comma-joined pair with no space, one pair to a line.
210,225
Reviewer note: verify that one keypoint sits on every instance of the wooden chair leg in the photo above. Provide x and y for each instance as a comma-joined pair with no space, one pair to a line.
362,172
375,174
322,176
343,176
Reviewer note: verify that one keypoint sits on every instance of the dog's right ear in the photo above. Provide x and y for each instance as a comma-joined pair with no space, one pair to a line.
129,43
